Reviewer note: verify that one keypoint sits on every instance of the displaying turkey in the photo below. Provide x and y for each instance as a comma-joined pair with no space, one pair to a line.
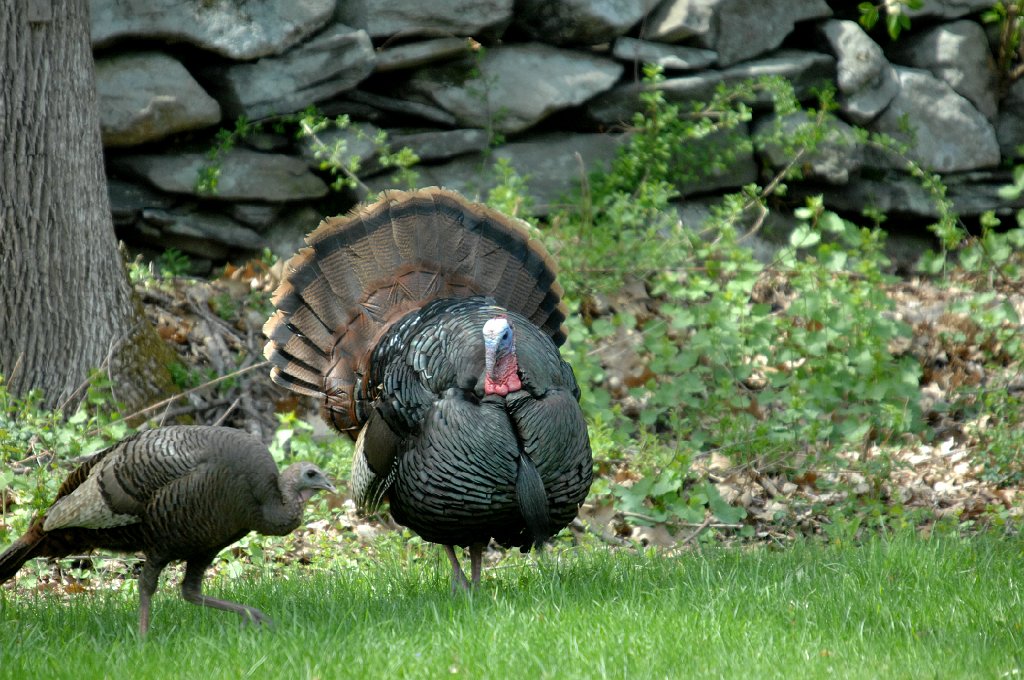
181,492
428,328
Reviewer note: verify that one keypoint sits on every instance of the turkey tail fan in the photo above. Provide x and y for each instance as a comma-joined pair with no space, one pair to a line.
22,550
362,272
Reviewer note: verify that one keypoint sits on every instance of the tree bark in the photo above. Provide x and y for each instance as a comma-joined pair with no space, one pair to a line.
66,305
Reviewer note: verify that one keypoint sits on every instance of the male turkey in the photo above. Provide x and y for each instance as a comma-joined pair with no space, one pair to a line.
181,492
428,328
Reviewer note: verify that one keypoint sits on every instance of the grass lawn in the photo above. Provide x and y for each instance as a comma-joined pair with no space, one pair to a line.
894,608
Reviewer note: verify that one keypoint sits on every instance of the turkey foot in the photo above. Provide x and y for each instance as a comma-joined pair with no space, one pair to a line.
459,581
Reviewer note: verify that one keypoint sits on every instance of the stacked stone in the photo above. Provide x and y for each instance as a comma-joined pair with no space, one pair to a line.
557,83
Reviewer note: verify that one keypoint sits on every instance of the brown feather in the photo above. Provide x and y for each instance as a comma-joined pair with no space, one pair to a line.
364,271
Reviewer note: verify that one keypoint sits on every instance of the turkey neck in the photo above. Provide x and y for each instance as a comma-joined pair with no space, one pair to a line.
281,513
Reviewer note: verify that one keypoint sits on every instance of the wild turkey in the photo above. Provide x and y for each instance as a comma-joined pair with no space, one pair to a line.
181,492
428,328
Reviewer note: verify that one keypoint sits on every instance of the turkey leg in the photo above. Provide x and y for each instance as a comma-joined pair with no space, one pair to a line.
192,591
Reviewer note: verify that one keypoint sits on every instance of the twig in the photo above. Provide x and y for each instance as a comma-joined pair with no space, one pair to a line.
610,539
175,397
192,408
701,525
224,415
704,525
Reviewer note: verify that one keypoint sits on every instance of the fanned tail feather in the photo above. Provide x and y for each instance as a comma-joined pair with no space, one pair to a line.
362,272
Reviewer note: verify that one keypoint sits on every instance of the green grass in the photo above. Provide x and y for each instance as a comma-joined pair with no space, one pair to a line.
894,608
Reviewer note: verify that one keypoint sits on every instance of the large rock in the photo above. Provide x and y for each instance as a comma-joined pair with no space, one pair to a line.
420,53
578,22
288,233
947,133
736,29
837,155
335,61
244,175
669,57
972,194
435,145
807,71
957,53
1010,128
148,96
209,235
866,79
237,30
949,9
386,18
512,88
554,165
128,200
378,106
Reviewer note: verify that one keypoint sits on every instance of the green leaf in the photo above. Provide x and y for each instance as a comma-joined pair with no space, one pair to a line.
804,237
832,223
720,509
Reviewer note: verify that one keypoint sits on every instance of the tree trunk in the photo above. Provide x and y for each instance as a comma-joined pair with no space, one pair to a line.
66,305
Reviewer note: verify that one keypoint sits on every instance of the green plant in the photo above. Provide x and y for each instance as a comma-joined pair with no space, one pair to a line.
481,91
896,18
294,440
999,428
172,263
37,446
334,157
1009,15
778,365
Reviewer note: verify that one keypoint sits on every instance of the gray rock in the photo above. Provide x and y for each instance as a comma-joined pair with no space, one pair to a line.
420,53
553,164
949,134
434,145
676,20
898,194
805,70
334,61
386,18
578,22
128,200
404,107
288,233
949,9
512,88
147,96
736,29
866,80
669,57
1010,126
204,227
837,155
244,175
237,30
957,53
259,216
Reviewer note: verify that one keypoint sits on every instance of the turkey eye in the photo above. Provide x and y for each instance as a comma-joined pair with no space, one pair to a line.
310,473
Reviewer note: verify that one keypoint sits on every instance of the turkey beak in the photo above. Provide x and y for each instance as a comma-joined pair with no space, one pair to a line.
327,486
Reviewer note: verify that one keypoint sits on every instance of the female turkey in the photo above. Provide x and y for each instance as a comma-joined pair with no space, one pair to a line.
428,329
172,493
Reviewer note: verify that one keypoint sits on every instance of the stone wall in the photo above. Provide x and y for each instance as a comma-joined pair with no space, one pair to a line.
556,80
